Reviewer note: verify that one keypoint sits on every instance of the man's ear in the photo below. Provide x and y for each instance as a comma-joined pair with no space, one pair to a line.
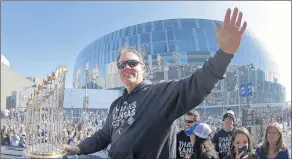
144,68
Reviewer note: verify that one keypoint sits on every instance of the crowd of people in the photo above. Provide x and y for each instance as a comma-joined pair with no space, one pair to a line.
13,134
232,141
274,119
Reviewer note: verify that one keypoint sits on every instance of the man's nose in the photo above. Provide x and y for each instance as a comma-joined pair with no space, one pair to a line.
127,67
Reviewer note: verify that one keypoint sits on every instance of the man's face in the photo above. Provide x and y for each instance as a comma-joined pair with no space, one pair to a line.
132,70
228,122
189,122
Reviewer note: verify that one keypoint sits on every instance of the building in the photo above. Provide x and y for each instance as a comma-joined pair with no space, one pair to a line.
11,81
173,49
4,61
36,80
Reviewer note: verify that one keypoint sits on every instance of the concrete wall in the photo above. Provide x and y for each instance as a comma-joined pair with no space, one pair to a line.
11,81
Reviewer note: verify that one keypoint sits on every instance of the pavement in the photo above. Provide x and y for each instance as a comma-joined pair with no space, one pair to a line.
7,152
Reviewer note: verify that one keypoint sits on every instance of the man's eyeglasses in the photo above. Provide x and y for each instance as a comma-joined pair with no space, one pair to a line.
130,63
189,121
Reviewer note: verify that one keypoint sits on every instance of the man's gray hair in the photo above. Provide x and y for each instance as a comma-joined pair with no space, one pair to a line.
126,49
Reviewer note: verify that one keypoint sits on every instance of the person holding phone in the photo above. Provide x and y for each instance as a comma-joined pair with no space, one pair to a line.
241,144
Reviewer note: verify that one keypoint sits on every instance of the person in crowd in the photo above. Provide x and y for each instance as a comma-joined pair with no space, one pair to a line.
5,136
14,139
183,144
273,146
200,137
22,141
241,144
222,138
139,122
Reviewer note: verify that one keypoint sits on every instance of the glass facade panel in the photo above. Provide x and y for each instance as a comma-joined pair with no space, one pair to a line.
183,58
168,58
170,24
139,28
157,25
127,31
134,29
182,45
203,43
159,47
183,34
158,36
145,38
133,41
206,24
211,36
188,23
170,35
148,27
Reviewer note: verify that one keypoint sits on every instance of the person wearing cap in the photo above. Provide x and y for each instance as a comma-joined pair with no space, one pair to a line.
183,142
222,138
200,136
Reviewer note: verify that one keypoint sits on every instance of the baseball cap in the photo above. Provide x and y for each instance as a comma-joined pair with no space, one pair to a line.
202,130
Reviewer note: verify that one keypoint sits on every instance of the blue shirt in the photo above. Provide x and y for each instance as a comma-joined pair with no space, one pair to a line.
281,155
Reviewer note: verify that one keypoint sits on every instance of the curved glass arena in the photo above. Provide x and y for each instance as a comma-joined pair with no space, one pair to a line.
173,49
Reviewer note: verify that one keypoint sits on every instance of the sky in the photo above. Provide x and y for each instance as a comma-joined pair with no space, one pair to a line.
36,37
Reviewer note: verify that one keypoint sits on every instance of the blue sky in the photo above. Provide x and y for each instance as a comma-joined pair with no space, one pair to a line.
37,37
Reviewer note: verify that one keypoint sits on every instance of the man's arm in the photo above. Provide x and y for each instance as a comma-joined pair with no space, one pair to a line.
178,97
97,142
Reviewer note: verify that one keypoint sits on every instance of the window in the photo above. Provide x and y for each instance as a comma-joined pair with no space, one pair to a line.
157,25
211,36
148,27
134,30
147,48
115,35
132,41
169,59
139,28
127,31
158,36
110,57
188,23
183,34
208,24
170,24
183,58
170,35
126,41
145,38
182,45
108,47
112,36
159,47
203,43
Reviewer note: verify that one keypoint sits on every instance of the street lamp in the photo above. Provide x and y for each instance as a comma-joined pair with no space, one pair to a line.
243,89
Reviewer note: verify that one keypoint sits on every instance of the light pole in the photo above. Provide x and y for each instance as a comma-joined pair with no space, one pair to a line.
237,74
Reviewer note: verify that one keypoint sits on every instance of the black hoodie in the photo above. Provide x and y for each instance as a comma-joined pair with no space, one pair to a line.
138,124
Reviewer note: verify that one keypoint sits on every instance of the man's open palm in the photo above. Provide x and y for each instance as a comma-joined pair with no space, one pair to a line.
229,36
